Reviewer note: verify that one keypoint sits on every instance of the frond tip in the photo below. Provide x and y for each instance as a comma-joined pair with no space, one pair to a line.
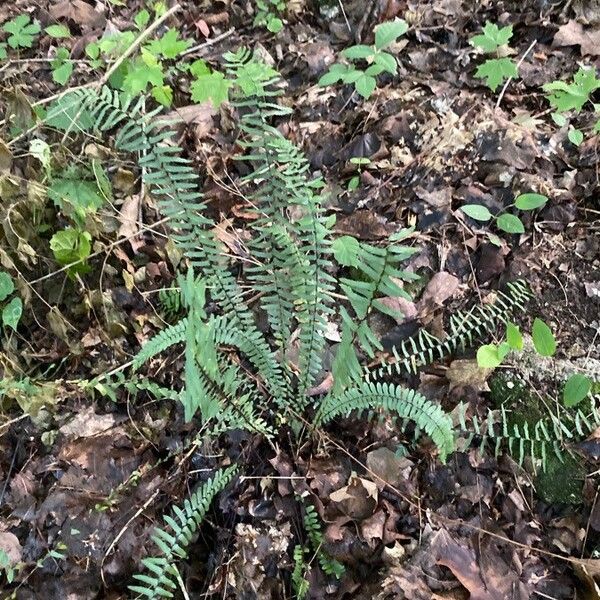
158,582
405,402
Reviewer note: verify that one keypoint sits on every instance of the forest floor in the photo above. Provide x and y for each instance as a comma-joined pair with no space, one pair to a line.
83,480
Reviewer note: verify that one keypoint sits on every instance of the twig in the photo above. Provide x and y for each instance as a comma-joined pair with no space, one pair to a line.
208,43
531,46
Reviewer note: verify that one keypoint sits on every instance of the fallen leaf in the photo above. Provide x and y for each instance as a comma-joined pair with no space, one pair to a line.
467,372
441,286
575,34
391,468
79,12
128,216
87,423
9,543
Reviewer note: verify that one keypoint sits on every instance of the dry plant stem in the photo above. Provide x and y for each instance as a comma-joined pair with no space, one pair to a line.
208,43
531,46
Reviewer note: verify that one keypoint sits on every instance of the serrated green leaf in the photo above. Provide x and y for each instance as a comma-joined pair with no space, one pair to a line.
565,96
11,313
61,69
140,74
530,201
346,250
22,31
477,212
492,37
274,24
387,62
358,52
336,73
213,87
365,85
543,339
7,287
169,46
389,32
142,19
58,31
510,223
576,389
496,70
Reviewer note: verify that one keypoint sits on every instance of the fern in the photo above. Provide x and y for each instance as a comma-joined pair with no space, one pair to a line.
465,327
312,526
380,270
405,402
170,303
299,582
177,535
552,435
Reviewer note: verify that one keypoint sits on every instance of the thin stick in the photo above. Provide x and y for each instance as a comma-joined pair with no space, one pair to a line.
208,43
531,46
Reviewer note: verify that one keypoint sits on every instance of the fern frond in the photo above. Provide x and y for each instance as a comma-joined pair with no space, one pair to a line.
290,273
299,582
405,402
312,526
170,303
171,335
552,435
109,386
176,536
380,270
465,327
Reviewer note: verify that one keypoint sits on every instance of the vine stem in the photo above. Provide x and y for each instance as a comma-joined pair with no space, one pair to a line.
531,47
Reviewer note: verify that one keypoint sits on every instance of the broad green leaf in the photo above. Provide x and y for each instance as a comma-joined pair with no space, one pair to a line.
169,46
575,136
140,74
488,356
477,212
7,287
142,19
357,52
199,67
11,313
510,223
572,96
513,336
66,114
58,31
71,245
76,196
530,201
559,119
163,95
374,70
346,251
274,24
62,67
492,37
389,32
3,53
213,87
496,70
576,389
387,62
336,73
360,160
543,339
365,85
353,183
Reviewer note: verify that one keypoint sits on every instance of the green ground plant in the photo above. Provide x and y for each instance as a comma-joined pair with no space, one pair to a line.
376,57
494,40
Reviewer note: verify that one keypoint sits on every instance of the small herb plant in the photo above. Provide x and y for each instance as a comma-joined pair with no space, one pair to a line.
569,99
504,220
491,355
22,30
494,40
375,56
12,308
268,14
355,180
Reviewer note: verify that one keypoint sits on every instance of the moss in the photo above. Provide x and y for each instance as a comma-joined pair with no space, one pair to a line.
508,390
561,482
